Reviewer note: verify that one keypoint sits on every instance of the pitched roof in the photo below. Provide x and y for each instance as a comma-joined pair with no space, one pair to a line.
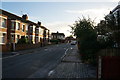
44,27
117,7
15,17
58,34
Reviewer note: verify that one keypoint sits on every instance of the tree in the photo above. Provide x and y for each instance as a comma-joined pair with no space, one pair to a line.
101,28
84,31
104,38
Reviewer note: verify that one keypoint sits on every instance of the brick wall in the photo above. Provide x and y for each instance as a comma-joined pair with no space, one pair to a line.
8,48
109,64
5,48
27,46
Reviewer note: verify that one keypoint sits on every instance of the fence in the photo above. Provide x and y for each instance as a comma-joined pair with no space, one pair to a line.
110,67
109,64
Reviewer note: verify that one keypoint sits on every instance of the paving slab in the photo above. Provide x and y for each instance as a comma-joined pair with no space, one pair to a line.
73,70
72,56
72,67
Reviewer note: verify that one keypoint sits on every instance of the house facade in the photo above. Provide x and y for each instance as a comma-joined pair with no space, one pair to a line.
116,13
3,29
13,27
58,35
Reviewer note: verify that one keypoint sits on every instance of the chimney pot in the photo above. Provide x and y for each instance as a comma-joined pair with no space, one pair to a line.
25,17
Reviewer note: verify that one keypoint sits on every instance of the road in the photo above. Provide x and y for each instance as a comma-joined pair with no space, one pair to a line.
36,64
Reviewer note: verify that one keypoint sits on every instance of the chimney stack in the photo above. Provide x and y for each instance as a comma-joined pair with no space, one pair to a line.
25,17
39,23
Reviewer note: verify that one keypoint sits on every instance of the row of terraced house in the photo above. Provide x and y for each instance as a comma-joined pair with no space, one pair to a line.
13,28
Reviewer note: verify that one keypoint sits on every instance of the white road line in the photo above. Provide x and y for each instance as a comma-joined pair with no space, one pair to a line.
66,51
9,56
64,54
71,48
49,74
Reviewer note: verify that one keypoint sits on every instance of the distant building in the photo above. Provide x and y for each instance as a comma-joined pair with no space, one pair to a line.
58,35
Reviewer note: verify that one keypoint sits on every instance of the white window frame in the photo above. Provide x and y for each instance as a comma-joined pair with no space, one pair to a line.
17,26
1,21
1,36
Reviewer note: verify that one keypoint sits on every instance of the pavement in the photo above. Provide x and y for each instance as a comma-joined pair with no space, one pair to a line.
72,67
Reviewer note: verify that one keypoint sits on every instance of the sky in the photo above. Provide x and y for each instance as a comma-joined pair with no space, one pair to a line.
57,16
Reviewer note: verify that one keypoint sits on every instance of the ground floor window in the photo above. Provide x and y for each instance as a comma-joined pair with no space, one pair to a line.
12,38
36,39
2,38
30,39
18,37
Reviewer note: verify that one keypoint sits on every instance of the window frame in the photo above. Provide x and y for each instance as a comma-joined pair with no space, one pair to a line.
5,23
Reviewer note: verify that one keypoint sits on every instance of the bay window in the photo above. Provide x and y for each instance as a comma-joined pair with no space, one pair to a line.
17,26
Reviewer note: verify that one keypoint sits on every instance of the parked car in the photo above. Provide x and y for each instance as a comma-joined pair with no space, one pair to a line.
73,43
116,45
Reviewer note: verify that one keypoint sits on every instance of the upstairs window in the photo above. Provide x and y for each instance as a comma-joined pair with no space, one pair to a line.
3,22
13,25
31,29
37,31
26,28
17,26
23,28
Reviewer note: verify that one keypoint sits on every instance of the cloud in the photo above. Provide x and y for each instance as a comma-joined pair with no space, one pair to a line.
62,27
33,18
96,14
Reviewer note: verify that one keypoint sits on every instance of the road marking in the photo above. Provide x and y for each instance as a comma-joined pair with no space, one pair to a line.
45,49
10,56
49,74
66,51
71,48
64,54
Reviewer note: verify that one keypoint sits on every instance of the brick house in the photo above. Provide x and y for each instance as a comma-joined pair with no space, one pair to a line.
13,27
58,35
45,36
3,30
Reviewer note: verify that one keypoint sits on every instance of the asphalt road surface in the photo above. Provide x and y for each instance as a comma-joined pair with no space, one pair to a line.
36,64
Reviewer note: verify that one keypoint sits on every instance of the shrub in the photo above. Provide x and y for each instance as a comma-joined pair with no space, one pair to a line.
54,41
23,40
